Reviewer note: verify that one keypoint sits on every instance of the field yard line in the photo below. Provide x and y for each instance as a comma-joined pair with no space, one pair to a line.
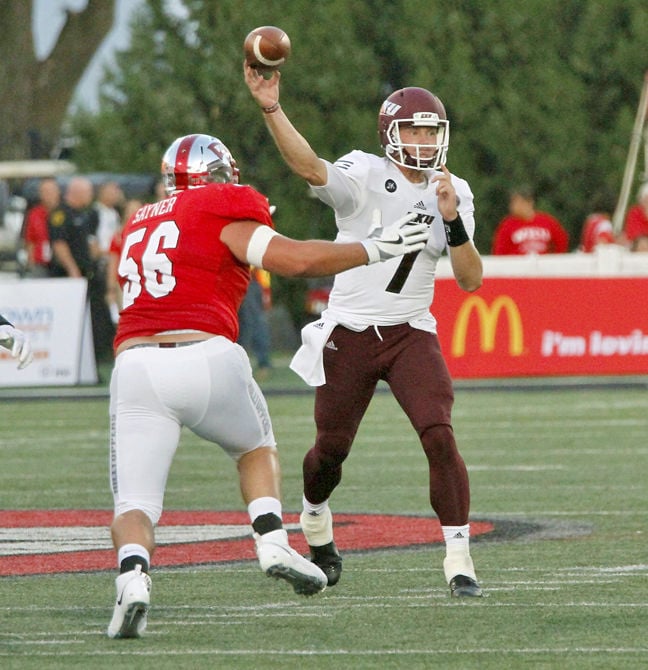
535,513
484,602
515,468
345,652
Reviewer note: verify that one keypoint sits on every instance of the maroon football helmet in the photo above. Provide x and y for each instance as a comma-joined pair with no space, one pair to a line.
413,106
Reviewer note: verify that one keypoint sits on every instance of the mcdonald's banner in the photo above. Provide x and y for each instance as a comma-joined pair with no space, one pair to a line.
514,326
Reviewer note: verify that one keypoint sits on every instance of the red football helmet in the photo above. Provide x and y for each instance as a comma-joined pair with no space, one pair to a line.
196,160
413,106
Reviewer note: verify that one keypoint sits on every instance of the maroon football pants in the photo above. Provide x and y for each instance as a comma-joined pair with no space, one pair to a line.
410,361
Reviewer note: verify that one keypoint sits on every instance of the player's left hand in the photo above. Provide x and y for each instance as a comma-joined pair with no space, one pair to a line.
446,194
16,341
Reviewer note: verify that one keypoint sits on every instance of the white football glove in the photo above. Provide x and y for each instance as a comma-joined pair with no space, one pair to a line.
16,341
402,237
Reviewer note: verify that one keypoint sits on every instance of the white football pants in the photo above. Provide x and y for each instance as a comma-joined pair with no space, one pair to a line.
207,387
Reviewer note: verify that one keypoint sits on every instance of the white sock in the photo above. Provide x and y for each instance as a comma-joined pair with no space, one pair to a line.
132,550
264,505
457,560
456,537
314,510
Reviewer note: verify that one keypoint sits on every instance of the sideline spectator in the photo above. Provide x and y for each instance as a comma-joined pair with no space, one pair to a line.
597,229
110,198
528,231
72,229
36,235
636,223
75,253
113,289
254,330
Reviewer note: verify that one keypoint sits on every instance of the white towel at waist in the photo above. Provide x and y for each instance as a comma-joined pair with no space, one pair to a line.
308,361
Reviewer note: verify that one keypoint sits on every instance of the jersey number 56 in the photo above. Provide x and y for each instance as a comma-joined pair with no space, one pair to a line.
154,272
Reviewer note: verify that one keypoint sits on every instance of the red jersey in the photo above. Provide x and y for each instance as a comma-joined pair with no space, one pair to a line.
116,243
175,272
597,230
636,224
37,234
541,234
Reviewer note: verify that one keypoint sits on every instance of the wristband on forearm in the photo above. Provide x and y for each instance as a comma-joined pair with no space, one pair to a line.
455,232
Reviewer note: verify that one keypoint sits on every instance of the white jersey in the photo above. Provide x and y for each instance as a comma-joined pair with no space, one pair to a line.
399,290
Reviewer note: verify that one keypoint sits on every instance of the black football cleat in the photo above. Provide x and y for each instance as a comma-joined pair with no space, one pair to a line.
464,587
328,560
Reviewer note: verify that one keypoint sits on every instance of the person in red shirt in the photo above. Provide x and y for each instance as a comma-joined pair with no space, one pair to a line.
36,235
635,231
528,231
184,269
597,229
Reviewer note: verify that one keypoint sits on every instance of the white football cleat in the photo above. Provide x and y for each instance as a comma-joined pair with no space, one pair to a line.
132,605
278,559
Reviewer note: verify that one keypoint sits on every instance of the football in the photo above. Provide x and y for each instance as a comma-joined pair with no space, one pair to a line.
266,48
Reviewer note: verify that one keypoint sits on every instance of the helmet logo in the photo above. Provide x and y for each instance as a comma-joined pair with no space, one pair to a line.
390,108
425,119
215,147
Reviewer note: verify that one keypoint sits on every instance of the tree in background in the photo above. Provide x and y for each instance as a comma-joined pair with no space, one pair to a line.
184,74
36,93
542,92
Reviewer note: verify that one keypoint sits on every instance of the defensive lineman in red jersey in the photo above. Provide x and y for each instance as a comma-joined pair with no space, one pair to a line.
184,270
378,323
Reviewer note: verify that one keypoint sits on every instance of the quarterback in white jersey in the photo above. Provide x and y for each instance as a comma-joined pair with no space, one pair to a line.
378,324
401,290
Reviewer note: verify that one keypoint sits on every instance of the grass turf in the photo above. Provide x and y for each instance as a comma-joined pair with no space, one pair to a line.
568,464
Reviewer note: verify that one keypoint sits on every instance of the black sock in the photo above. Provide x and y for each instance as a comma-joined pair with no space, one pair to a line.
266,523
129,564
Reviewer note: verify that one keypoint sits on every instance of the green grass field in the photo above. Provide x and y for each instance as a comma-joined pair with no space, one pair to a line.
568,466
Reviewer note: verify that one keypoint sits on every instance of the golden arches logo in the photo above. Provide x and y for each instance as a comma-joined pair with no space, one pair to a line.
488,316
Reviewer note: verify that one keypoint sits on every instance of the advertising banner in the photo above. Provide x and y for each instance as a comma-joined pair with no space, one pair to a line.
54,315
515,326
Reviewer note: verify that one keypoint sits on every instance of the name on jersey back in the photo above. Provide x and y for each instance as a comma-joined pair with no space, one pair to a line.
155,209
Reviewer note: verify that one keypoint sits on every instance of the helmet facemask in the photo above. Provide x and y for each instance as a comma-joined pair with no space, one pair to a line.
418,156
418,108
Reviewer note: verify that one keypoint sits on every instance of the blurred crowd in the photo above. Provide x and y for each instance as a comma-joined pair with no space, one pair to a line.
75,231
527,230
